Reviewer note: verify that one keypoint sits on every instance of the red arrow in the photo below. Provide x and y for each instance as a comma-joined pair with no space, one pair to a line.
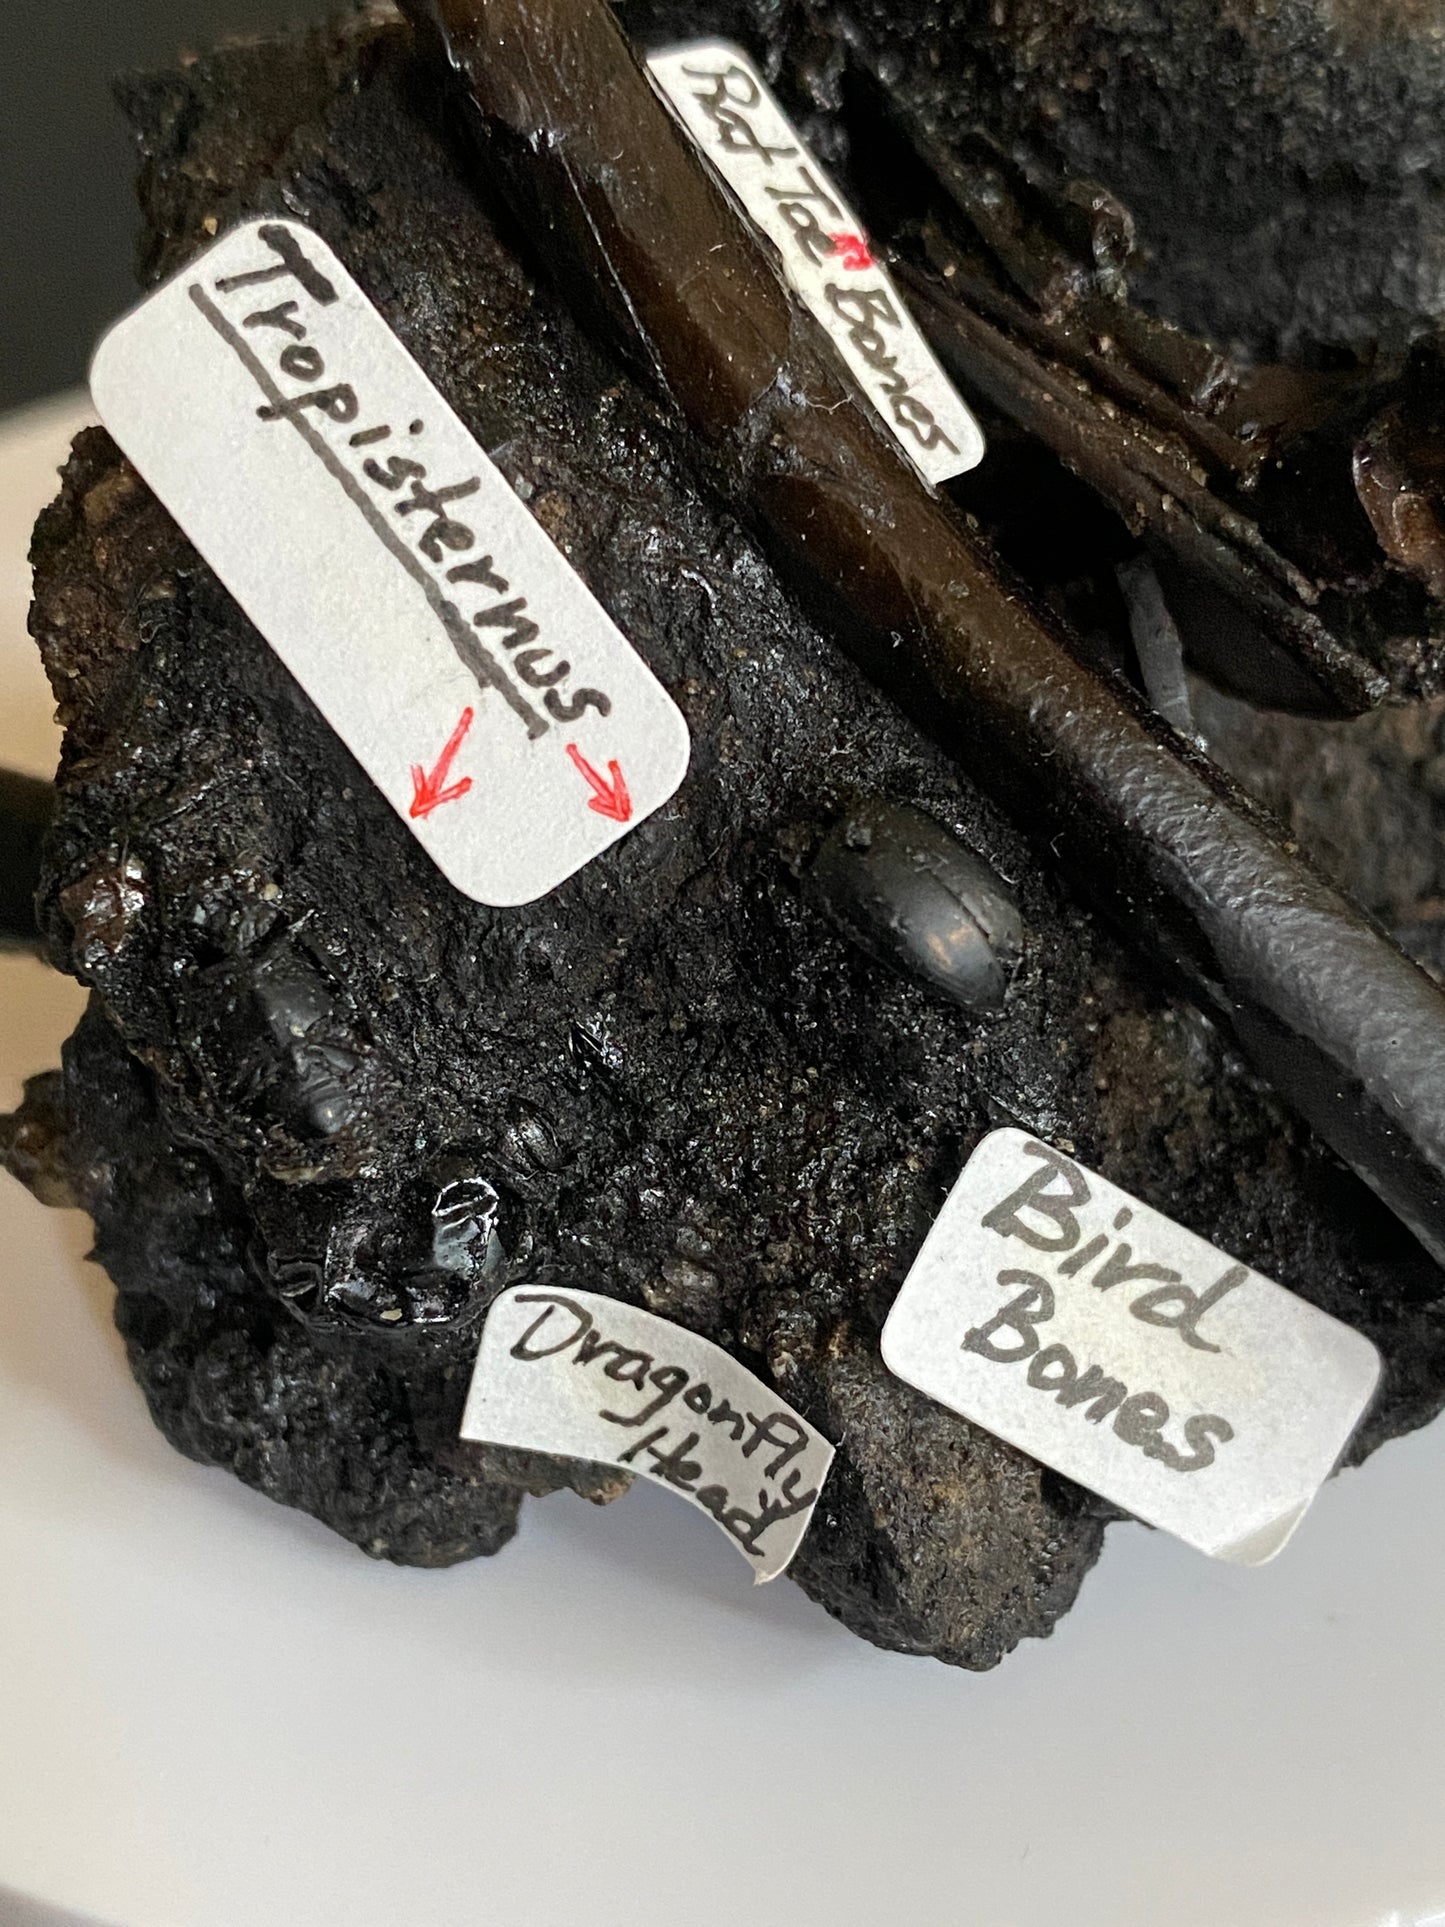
608,799
429,792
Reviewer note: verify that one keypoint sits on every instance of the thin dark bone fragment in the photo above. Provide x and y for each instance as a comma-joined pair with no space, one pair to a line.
1133,466
1083,318
1170,433
1347,1028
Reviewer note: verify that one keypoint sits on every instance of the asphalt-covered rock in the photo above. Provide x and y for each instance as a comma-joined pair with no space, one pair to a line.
323,1108
1282,164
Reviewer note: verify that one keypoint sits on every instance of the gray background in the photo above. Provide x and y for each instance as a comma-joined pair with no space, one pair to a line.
67,208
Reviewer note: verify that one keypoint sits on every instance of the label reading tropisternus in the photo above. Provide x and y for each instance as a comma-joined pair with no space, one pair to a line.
1108,1342
584,1377
389,564
723,102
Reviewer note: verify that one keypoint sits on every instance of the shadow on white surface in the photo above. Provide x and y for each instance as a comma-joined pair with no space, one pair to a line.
17,1911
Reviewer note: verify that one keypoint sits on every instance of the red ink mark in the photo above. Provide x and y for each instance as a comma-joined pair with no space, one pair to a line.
853,249
608,799
429,792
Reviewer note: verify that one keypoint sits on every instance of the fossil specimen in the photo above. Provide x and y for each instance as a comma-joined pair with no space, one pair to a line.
323,1109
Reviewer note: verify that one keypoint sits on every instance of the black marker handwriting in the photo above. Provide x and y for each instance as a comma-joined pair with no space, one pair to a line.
426,506
728,96
770,1438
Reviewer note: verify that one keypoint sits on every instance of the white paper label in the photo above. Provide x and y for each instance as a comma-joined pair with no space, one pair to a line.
1050,1307
388,563
724,103
584,1377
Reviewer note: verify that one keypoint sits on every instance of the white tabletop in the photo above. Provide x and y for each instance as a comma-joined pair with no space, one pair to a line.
213,1713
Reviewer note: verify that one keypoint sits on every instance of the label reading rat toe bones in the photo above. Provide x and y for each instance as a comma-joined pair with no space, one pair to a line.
389,564
584,1377
722,100
1103,1339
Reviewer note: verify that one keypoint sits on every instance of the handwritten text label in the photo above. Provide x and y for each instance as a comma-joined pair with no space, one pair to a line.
582,1376
389,564
1110,1343
722,100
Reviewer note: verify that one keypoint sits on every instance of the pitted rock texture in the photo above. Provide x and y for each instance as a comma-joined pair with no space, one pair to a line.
1283,162
322,1108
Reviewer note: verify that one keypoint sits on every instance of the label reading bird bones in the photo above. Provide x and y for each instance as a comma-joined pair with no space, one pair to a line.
585,1377
1102,1338
722,101
388,563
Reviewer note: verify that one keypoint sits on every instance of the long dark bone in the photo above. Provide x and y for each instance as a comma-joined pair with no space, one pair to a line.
628,218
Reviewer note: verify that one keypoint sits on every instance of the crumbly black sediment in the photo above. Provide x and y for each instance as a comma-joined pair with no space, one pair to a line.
1283,164
677,1081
